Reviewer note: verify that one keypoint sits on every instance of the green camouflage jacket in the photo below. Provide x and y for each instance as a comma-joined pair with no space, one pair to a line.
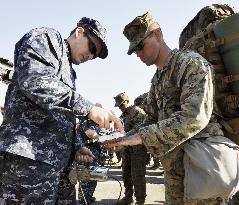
179,104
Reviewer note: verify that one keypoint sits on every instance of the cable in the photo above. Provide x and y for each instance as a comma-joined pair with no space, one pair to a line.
109,161
120,188
91,174
82,193
77,188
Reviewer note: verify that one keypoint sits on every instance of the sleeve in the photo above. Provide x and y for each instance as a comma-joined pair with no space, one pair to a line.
37,66
196,109
151,106
79,142
148,116
89,124
139,117
133,121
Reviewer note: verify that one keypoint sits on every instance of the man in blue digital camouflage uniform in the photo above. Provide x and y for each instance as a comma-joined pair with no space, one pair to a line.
37,133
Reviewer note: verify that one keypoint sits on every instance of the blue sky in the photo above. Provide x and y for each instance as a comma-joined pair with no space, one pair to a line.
100,80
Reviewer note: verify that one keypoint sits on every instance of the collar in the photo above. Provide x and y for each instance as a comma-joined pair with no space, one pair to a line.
168,60
68,50
69,56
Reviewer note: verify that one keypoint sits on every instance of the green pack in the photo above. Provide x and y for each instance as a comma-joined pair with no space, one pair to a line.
214,33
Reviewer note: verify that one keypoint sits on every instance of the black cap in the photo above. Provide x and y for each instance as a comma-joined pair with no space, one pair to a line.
98,30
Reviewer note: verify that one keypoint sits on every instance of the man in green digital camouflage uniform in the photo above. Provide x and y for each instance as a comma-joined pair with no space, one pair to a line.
179,104
133,157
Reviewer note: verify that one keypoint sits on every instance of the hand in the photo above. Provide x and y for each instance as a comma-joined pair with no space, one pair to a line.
124,141
103,118
119,149
84,155
91,134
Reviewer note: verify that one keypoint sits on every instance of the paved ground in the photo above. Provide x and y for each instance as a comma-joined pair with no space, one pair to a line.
108,192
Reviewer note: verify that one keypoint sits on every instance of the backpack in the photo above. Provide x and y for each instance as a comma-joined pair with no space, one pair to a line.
200,35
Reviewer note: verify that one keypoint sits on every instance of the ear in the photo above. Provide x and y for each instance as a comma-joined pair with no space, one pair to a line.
79,31
158,34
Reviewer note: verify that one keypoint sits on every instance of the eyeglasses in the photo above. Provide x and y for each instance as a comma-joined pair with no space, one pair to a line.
140,45
122,104
91,45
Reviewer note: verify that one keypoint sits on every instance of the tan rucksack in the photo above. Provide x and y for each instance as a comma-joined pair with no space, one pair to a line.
199,36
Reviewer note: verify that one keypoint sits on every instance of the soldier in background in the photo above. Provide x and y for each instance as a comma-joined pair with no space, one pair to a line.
179,105
141,101
134,158
37,133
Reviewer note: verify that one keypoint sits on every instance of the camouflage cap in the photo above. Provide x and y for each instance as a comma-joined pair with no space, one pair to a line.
120,98
98,30
136,30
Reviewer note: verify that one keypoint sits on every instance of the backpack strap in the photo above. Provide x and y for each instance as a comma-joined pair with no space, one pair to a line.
230,79
232,101
225,39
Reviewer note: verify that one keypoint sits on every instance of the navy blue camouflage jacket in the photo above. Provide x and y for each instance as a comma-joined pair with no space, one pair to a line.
41,103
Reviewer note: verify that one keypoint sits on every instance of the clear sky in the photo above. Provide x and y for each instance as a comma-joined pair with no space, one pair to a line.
100,80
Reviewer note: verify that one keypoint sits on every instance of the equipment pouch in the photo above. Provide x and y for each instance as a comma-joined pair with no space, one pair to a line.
211,168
